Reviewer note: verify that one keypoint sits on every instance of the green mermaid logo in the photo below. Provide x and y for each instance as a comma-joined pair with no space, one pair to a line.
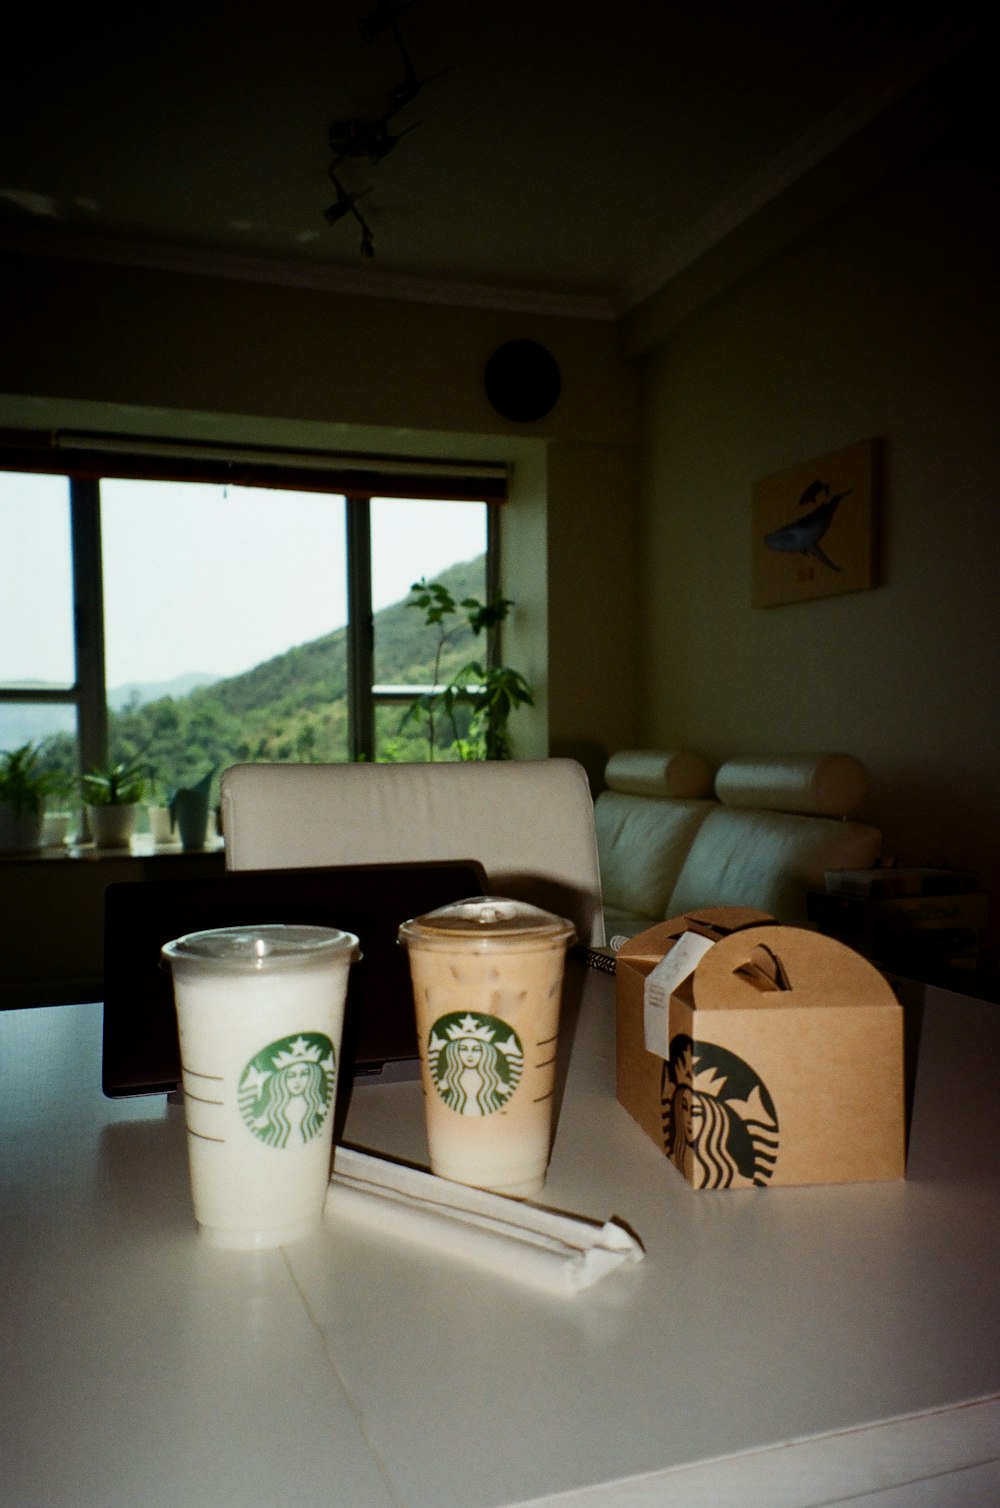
286,1091
720,1125
475,1062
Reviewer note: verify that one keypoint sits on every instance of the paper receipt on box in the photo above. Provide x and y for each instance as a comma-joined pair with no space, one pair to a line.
672,969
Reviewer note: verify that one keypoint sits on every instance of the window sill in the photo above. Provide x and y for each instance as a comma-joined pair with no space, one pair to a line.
141,847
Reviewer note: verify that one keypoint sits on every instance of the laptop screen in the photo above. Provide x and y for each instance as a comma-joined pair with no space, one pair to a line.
141,1053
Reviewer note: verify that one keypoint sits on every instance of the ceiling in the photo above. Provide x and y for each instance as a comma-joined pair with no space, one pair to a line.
561,151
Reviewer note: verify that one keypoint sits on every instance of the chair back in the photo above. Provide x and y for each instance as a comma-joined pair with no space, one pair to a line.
530,823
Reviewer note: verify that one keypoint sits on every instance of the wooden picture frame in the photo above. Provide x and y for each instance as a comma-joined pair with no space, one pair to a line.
814,528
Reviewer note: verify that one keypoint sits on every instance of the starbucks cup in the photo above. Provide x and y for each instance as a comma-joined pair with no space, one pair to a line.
487,983
260,1012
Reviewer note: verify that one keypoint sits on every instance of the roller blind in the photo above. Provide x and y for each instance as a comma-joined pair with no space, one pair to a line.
81,453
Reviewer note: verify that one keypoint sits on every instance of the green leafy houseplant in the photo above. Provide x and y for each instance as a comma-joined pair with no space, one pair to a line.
24,782
490,692
118,785
112,797
25,785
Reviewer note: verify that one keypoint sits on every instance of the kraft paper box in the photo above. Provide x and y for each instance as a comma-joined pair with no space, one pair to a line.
777,1060
639,1073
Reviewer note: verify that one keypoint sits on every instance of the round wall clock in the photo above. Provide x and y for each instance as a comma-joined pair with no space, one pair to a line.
522,380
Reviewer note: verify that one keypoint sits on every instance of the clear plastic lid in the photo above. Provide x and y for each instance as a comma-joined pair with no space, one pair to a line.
488,921
259,949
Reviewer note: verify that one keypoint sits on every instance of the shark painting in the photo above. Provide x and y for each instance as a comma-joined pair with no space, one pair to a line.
802,535
813,528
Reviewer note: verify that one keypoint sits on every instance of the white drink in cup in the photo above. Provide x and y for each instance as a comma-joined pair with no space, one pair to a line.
260,1012
487,984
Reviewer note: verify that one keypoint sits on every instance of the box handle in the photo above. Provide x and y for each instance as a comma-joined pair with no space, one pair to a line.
764,970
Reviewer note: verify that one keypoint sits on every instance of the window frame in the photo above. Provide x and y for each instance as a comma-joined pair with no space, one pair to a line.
356,479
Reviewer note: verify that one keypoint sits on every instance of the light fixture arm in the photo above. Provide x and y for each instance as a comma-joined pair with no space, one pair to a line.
360,138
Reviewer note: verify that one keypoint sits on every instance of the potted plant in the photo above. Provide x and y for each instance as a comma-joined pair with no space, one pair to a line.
158,800
189,811
490,692
112,797
24,786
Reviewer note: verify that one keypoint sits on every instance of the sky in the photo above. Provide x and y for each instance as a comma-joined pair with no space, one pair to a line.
202,578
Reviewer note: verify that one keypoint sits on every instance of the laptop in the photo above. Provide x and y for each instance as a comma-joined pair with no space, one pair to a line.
141,1054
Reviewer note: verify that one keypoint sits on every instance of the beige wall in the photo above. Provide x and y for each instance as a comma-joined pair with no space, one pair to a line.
574,627
151,351
140,336
884,324
593,652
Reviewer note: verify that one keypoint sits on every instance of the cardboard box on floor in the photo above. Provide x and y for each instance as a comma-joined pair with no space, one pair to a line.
777,1060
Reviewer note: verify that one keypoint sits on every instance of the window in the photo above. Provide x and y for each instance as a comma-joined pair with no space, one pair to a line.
36,610
192,624
222,607
449,541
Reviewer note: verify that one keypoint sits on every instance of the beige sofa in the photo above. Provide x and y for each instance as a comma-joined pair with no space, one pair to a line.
671,838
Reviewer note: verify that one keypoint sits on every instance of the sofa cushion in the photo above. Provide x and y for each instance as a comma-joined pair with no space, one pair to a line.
658,772
768,859
818,785
619,926
642,842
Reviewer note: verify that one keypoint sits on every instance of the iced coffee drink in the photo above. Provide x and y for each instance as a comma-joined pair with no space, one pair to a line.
259,1014
487,983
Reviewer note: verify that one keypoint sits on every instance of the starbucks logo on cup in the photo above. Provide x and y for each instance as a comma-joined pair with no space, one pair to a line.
475,1062
286,1091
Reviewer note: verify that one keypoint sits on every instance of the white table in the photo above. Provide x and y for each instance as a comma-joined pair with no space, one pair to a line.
785,1346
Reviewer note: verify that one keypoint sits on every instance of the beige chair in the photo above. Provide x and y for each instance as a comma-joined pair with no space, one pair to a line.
530,823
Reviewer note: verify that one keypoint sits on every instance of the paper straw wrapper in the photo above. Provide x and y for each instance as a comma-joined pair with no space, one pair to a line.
514,1239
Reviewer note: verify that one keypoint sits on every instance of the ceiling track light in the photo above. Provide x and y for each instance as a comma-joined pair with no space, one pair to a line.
358,138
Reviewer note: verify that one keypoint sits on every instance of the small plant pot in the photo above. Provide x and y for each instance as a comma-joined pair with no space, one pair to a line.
159,825
55,829
20,831
190,809
112,826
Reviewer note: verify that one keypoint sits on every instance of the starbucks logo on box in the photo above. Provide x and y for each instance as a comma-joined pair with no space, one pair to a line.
720,1125
286,1091
475,1062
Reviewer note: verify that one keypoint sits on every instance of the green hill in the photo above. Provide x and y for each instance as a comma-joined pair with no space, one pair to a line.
315,674
294,706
